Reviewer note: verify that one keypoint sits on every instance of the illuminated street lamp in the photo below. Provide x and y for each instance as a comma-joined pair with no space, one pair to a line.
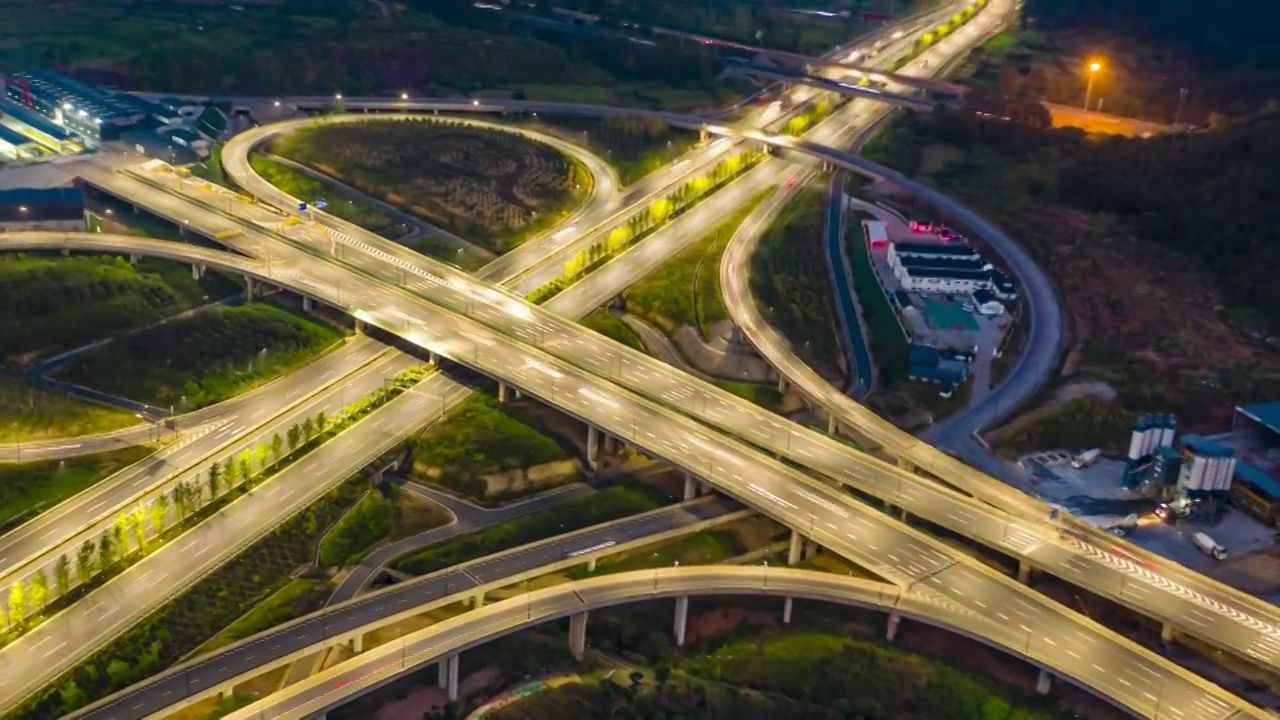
1094,67
404,96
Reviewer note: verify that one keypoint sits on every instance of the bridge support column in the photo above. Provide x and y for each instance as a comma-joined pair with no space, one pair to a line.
903,515
307,304
591,565
502,392
248,289
1166,634
682,618
1044,682
891,631
197,271
795,552
906,464
449,675
1024,572
477,601
134,258
690,487
359,326
593,447
786,611
702,135
578,635
782,384
832,426
357,644
433,359
811,548
66,252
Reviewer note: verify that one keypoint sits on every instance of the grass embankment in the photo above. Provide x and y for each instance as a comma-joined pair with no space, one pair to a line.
610,504
30,412
185,623
634,146
1085,422
608,324
386,513
50,303
888,343
483,437
297,598
686,289
790,282
27,489
338,201
204,358
492,187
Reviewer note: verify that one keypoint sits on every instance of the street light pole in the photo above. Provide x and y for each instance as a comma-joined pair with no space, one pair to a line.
1088,92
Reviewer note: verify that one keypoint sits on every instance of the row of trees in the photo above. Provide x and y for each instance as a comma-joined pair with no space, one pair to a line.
658,212
129,537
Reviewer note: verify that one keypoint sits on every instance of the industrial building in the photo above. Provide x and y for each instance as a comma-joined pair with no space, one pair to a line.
1255,440
41,209
946,268
16,146
93,113
928,364
44,131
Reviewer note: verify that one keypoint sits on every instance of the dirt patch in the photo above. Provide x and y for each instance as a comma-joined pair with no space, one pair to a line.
423,700
719,622
1256,573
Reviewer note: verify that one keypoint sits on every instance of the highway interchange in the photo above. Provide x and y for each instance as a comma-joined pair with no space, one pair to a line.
627,395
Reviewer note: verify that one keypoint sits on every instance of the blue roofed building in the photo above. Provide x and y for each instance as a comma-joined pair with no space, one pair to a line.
927,364
91,112
42,209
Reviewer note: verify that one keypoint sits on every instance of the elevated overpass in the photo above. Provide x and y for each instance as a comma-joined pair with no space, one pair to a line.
1106,675
835,86
1184,600
834,520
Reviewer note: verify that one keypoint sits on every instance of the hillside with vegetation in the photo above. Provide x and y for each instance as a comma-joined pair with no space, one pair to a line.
1163,249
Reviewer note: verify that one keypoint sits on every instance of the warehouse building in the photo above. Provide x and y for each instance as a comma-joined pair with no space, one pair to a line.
927,364
16,146
943,268
93,113
38,127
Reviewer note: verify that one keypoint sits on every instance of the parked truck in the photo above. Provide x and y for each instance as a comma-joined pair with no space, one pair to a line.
1209,546
1086,458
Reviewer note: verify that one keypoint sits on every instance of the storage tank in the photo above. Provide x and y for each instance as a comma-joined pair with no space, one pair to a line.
1195,476
1228,472
1165,467
1136,438
1166,433
1212,465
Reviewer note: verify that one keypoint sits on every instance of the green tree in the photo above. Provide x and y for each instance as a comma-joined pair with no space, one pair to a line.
179,501
39,591
159,511
322,422
309,429
277,447
262,452
229,470
138,526
294,438
246,466
62,575
106,552
17,604
120,535
215,481
662,673
71,695
84,562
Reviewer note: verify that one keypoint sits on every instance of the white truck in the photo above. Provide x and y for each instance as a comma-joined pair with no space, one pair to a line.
1086,458
1209,546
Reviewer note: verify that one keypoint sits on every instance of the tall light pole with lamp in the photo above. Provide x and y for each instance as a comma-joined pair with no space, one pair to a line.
1094,67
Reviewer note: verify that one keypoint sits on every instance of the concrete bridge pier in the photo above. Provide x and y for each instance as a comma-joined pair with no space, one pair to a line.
682,619
307,304
1044,682
795,551
433,359
248,289
832,425
449,675
1024,572
359,326
502,392
593,447
891,631
134,258
357,644
1166,634
691,487
197,271
786,611
578,635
